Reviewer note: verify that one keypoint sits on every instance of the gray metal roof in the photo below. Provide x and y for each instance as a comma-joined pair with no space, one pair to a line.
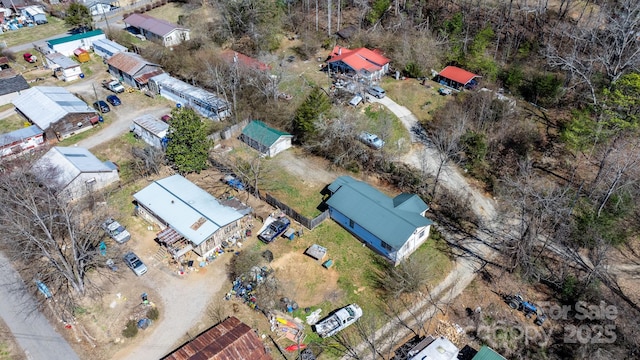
110,46
70,162
44,105
180,87
191,211
392,220
20,134
151,124
61,60
149,23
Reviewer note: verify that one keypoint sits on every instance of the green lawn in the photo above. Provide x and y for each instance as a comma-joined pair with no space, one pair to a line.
303,199
11,123
420,99
169,12
28,35
384,123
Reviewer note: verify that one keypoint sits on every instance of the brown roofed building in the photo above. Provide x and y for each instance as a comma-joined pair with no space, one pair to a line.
132,69
229,340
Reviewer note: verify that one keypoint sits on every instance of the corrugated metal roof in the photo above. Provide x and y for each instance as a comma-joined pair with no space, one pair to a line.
61,60
75,37
457,74
151,124
151,24
392,220
44,105
19,134
260,132
70,161
359,59
229,340
129,63
487,353
190,210
144,78
181,87
109,46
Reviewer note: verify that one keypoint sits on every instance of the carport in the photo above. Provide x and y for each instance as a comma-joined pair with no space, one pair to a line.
457,78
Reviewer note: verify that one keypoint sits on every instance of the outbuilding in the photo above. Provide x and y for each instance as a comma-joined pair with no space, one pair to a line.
133,69
15,142
268,141
157,30
11,85
457,78
35,14
151,130
82,55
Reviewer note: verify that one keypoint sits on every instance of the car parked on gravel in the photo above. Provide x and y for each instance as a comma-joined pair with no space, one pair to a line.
114,100
101,106
134,263
116,231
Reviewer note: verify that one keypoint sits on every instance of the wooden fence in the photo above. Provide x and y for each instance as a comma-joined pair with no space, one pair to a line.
306,222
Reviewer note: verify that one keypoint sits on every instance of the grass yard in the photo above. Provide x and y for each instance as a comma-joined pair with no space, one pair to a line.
385,124
11,123
79,137
170,12
415,97
27,35
303,199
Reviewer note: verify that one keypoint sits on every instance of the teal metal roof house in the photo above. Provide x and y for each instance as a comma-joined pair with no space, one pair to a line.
66,45
394,227
268,141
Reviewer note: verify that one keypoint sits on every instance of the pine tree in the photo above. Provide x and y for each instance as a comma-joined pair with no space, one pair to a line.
316,104
188,145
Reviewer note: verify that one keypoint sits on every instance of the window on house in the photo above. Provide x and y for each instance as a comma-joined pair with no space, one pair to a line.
421,234
386,246
351,223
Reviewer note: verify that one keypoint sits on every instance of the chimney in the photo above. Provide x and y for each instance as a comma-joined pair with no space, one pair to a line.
339,50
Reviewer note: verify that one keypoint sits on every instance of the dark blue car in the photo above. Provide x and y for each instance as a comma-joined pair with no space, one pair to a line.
113,100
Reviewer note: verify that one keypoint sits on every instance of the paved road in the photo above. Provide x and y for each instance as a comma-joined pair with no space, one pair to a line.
32,331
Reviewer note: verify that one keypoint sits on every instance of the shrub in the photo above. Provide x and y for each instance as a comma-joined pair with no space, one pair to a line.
153,313
131,329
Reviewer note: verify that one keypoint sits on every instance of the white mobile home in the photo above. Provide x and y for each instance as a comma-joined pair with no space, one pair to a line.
151,130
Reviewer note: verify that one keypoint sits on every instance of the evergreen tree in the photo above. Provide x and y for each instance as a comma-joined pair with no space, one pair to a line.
188,145
78,15
316,104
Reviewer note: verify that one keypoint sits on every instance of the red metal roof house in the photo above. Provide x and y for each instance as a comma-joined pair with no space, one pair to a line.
231,56
456,78
369,64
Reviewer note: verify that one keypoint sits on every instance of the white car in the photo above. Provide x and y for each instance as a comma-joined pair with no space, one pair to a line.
372,140
116,231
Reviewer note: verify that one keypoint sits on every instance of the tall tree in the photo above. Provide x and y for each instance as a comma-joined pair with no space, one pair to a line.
188,145
78,15
310,111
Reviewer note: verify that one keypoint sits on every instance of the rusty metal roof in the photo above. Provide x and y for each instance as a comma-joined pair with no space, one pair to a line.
229,340
129,63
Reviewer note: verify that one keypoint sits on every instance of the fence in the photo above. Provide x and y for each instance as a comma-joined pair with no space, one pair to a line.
306,222
229,131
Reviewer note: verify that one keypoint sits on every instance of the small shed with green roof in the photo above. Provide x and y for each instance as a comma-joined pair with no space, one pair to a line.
268,141
394,227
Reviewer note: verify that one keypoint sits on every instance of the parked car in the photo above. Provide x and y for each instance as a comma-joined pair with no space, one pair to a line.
116,231
101,106
274,230
377,91
134,263
371,139
113,100
357,99
444,91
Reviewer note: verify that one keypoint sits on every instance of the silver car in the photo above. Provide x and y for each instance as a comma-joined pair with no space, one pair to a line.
371,139
134,263
116,231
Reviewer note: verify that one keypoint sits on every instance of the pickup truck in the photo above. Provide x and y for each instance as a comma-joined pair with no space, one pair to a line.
274,230
113,85
338,320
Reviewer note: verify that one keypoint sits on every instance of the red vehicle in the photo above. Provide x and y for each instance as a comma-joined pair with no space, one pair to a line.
29,58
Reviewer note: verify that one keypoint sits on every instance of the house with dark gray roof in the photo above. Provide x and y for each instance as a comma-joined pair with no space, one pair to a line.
133,69
268,141
11,86
157,30
394,227
56,111
76,171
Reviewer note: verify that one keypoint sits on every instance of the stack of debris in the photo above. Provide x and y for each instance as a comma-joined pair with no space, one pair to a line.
244,286
286,327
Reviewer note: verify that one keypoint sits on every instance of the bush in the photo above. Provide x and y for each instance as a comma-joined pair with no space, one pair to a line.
153,313
413,70
131,329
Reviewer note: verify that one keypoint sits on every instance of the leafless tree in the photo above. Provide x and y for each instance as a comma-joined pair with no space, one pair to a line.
56,242
147,160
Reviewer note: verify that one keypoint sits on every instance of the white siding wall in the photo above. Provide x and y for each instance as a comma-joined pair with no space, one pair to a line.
85,183
283,143
413,243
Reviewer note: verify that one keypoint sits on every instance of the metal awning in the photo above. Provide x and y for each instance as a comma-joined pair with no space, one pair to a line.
169,236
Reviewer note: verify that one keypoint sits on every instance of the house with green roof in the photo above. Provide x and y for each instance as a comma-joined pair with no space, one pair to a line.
394,227
67,44
268,141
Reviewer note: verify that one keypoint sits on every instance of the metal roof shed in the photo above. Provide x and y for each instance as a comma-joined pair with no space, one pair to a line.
265,139
44,105
106,48
151,130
